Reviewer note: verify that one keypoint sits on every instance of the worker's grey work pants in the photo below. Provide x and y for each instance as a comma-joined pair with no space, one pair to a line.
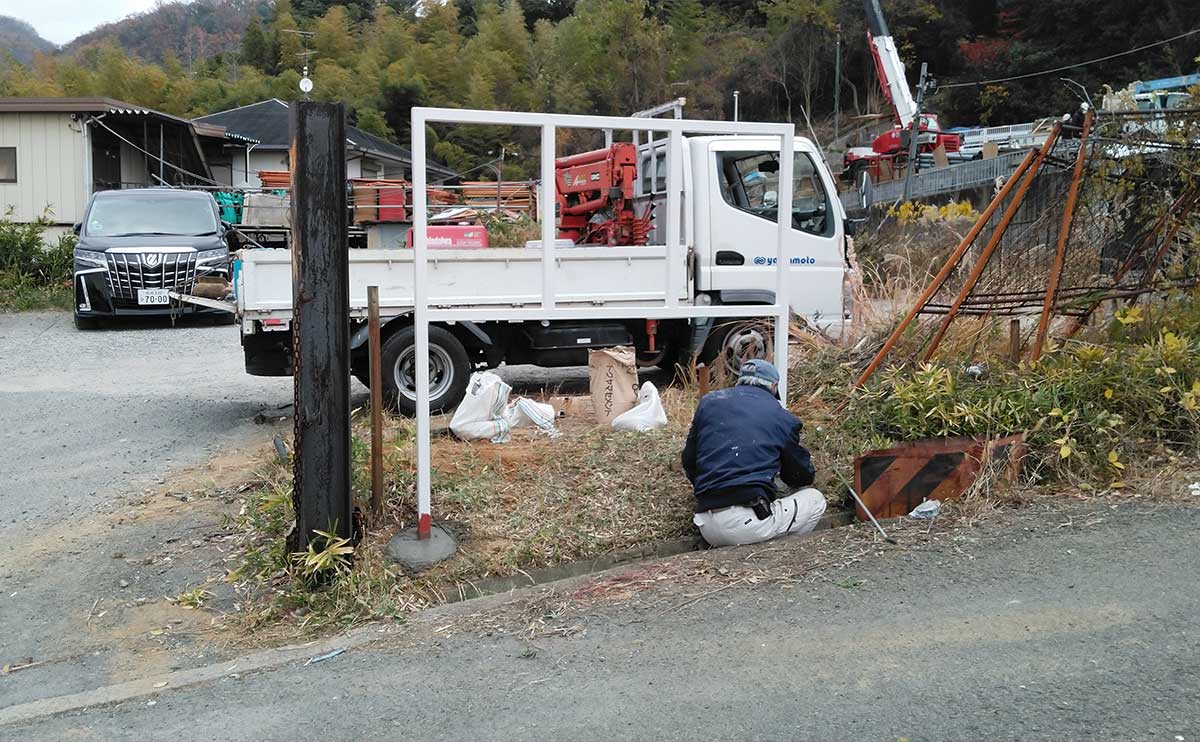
735,525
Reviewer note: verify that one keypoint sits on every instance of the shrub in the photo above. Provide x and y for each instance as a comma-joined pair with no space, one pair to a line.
25,252
1086,407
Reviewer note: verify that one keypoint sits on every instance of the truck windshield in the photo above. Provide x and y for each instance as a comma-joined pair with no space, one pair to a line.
750,182
127,216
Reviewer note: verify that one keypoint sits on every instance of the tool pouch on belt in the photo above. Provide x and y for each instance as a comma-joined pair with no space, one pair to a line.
761,507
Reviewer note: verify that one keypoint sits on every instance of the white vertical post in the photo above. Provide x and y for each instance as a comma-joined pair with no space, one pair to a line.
674,181
783,266
549,200
421,322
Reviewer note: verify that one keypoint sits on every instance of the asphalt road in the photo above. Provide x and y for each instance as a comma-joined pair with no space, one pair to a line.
87,416
1056,626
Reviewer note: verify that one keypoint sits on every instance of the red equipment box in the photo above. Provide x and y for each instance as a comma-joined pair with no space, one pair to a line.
453,237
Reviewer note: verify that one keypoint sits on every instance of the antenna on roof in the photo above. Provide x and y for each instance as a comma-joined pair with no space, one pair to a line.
306,83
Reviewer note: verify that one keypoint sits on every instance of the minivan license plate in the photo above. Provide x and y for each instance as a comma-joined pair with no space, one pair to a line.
154,297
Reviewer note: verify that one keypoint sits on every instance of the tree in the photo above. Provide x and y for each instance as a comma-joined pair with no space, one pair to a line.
286,42
256,50
334,38
371,120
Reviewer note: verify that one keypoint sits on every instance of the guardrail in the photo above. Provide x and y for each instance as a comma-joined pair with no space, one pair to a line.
943,180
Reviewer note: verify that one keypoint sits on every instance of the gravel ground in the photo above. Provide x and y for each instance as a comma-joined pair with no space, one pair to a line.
87,416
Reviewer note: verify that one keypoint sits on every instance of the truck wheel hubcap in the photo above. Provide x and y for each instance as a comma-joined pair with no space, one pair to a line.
441,372
745,342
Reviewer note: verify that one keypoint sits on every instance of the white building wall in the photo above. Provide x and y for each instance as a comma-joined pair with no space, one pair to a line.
50,167
261,160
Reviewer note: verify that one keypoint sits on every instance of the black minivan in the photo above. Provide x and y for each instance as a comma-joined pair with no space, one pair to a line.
136,246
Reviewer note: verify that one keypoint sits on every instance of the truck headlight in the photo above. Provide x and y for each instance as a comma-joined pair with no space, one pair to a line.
91,258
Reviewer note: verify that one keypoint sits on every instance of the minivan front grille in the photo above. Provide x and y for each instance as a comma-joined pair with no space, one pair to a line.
130,271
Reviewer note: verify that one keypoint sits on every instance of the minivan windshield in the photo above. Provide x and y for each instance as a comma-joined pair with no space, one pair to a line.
127,216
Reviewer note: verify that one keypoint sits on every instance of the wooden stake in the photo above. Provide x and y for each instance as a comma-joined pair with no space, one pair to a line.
993,243
703,373
1064,232
376,353
947,268
1014,340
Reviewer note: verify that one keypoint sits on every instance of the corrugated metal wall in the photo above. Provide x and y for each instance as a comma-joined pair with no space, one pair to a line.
50,166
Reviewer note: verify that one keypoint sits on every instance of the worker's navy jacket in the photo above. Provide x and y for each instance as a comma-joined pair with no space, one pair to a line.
741,438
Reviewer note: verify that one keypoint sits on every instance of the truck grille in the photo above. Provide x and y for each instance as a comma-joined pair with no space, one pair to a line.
128,272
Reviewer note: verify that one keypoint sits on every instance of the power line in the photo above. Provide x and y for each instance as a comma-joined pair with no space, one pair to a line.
1072,66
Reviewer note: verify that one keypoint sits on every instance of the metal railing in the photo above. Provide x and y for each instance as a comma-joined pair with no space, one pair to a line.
944,180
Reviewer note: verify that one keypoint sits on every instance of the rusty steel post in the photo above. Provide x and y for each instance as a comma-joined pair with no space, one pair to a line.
993,243
321,323
702,372
1014,340
1064,232
376,353
947,268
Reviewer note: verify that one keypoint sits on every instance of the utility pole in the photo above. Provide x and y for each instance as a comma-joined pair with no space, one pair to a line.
837,84
915,132
321,323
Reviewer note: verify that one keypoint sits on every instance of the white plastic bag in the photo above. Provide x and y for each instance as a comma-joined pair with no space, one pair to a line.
647,414
524,412
927,510
485,411
481,414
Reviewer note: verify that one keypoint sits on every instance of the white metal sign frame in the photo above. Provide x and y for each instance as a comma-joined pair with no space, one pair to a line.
670,308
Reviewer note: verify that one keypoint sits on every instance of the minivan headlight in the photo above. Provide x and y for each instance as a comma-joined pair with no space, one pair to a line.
209,256
91,257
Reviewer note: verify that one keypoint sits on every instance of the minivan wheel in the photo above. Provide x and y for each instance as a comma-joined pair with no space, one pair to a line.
449,369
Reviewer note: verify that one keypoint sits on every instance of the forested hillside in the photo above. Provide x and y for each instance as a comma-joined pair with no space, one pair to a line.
612,56
21,40
192,31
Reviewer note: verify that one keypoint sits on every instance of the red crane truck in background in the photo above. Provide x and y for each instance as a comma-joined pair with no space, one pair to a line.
889,152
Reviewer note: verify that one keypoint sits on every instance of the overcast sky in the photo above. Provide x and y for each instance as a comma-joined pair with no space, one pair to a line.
62,20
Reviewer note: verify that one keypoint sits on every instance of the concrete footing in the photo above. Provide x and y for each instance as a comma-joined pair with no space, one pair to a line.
415,554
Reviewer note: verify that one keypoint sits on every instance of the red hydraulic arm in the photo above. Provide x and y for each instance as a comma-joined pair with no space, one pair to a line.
594,191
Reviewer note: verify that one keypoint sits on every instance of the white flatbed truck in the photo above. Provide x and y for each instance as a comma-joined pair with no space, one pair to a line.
728,226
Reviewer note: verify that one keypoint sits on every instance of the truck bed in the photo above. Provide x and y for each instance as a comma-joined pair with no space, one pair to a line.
497,277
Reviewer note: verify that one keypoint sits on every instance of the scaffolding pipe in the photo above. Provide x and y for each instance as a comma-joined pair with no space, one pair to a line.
993,243
947,268
1064,232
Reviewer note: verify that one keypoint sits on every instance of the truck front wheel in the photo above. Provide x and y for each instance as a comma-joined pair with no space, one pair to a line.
449,369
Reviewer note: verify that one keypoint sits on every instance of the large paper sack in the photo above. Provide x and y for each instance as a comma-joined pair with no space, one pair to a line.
648,414
613,382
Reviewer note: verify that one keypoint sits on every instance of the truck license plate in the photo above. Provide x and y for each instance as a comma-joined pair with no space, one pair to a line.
154,297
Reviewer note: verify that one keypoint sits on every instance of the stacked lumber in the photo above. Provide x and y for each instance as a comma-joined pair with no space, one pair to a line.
275,178
514,196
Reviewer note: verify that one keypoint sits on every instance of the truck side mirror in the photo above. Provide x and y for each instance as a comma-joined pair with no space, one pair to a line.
852,225
77,227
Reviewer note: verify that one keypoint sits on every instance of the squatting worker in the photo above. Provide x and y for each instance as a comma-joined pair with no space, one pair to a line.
741,439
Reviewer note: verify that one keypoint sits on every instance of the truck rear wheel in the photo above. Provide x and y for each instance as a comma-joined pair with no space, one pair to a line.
734,342
449,369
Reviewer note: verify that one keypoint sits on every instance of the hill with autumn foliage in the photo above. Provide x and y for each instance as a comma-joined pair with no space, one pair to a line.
613,57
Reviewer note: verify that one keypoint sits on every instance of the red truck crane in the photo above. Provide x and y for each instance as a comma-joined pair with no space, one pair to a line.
595,197
890,149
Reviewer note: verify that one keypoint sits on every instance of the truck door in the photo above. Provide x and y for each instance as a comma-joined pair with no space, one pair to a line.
742,217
